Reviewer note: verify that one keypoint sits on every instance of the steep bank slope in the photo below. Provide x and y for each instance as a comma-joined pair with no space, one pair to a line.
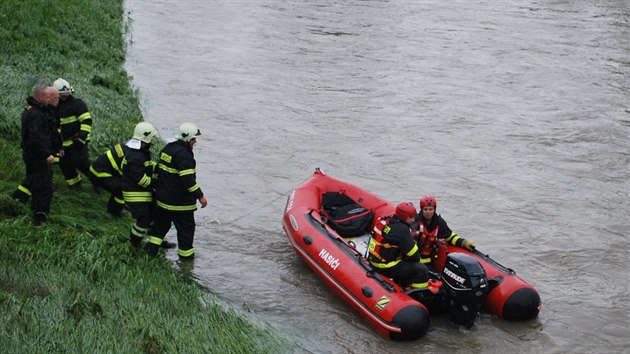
75,285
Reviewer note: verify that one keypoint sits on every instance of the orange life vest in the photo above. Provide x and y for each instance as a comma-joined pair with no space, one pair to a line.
428,240
377,244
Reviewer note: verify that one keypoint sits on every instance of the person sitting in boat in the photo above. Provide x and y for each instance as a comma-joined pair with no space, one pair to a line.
429,229
394,253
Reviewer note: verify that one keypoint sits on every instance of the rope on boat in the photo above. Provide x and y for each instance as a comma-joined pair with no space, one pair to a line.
282,195
259,207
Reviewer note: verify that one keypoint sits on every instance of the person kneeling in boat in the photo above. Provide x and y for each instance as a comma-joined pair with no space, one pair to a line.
393,252
430,229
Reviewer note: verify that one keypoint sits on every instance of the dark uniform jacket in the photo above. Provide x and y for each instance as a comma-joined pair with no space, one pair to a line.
39,132
398,235
444,232
177,188
75,121
137,181
110,163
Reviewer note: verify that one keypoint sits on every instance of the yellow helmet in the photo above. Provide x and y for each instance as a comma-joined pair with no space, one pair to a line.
144,131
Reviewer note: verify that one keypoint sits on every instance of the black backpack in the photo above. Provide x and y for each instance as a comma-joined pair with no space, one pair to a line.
344,215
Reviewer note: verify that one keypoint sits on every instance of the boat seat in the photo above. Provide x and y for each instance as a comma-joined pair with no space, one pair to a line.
360,243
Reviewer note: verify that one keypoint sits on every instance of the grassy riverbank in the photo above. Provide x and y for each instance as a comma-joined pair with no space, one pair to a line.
74,284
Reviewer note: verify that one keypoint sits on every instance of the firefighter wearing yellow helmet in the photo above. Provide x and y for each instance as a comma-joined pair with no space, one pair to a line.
177,193
75,125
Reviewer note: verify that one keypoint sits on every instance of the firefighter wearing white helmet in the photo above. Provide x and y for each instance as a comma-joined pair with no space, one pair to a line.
145,132
63,87
187,132
75,125
137,180
177,193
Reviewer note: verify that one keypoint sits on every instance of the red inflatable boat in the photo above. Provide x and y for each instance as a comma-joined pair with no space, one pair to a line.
335,250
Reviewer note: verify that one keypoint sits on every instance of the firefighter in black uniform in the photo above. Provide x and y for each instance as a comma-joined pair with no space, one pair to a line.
177,193
394,253
430,229
40,145
137,181
75,125
106,172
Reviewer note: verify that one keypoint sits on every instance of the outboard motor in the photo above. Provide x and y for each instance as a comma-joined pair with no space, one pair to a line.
466,286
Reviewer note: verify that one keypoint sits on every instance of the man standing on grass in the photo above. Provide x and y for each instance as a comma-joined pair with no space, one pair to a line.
40,144
176,193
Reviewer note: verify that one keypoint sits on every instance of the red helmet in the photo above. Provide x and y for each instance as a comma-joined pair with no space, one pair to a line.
428,200
405,210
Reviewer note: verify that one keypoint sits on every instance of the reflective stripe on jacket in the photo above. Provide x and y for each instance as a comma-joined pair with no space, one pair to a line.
137,178
75,121
390,243
177,187
109,163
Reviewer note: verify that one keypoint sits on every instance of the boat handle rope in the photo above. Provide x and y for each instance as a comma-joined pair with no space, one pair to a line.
282,195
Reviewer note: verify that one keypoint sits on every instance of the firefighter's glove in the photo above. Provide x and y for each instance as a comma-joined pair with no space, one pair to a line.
469,245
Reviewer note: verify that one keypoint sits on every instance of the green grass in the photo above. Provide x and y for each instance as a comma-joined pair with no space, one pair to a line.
75,285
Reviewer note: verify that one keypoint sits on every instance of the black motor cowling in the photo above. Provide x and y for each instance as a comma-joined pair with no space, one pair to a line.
466,286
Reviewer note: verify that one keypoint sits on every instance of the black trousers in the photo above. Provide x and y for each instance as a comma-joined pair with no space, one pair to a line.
184,222
39,181
407,273
75,158
143,213
114,186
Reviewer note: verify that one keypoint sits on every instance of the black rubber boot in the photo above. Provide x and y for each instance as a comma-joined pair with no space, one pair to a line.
168,245
151,249
20,196
39,218
187,259
114,208
135,241
115,211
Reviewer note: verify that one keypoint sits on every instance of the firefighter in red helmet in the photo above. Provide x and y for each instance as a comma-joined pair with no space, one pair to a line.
394,253
430,229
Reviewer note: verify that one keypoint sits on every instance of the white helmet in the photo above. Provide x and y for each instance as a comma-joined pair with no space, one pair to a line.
63,86
188,132
144,131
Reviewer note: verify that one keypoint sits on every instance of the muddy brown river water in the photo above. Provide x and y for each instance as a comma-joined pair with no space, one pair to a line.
514,114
